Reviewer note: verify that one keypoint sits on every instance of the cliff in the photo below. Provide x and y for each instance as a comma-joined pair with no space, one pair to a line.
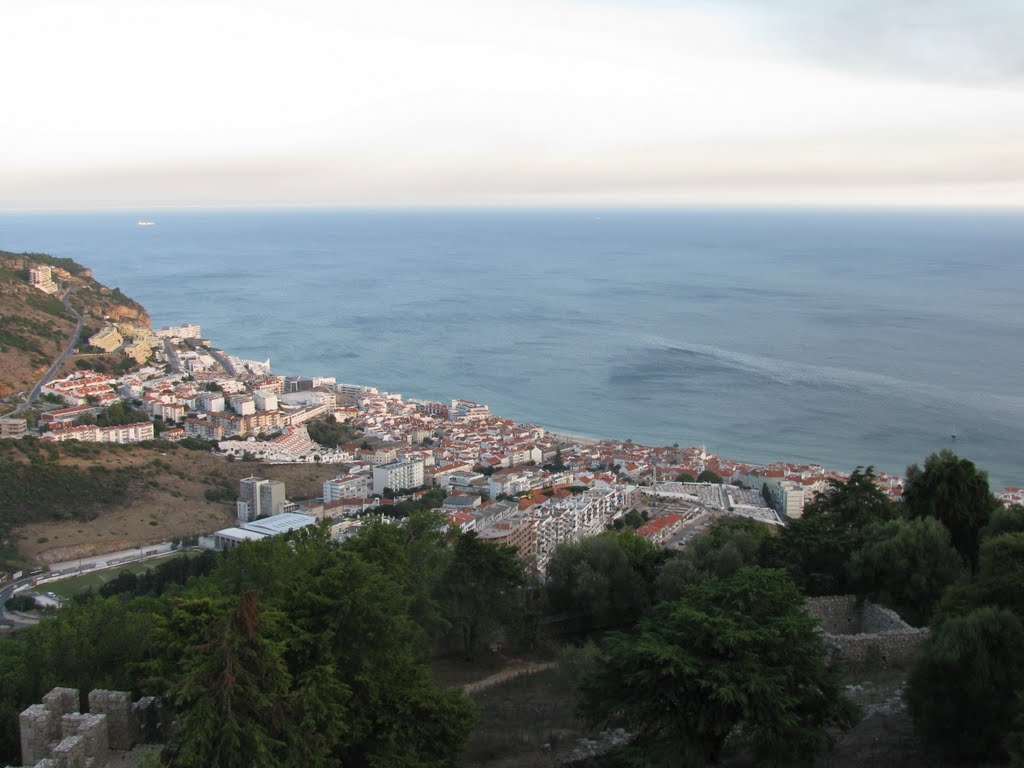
35,326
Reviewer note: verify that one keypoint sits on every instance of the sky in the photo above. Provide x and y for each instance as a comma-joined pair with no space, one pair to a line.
153,103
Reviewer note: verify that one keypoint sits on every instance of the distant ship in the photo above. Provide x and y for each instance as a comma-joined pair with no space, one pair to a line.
146,223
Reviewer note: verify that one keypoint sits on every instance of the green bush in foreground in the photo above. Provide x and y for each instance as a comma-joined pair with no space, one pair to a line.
962,691
730,653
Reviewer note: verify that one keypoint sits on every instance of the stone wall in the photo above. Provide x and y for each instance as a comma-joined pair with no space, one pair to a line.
864,635
121,725
55,734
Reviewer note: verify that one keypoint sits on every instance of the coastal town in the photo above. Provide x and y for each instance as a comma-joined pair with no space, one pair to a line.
513,484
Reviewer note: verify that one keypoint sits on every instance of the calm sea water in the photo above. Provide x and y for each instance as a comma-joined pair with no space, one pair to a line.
848,338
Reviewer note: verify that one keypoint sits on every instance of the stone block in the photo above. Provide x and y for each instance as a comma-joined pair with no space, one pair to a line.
122,728
70,752
62,701
39,727
93,729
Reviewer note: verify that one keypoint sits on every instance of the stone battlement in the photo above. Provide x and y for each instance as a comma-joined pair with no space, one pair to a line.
54,734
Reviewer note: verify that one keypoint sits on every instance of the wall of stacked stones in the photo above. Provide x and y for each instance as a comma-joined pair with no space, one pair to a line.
54,734
863,635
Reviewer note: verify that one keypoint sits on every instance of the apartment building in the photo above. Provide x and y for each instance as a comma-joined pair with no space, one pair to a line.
398,475
41,277
347,487
258,497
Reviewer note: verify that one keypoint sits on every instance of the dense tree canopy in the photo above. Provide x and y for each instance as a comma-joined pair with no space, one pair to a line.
816,548
287,652
962,691
954,492
905,565
599,579
483,592
1004,520
729,652
999,581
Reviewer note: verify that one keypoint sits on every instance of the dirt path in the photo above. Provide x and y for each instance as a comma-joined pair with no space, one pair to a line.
529,668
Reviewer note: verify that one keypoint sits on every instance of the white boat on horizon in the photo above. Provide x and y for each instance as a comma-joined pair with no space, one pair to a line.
146,223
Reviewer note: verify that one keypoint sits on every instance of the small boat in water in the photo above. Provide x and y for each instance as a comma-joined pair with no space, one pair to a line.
146,223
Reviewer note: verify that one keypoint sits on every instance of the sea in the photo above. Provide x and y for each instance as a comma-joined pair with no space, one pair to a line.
842,337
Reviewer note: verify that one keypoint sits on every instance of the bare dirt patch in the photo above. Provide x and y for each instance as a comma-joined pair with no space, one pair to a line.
166,501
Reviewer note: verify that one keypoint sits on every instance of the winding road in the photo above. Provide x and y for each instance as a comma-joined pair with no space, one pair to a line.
72,341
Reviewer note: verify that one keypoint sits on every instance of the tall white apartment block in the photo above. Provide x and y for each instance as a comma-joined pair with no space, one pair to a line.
347,487
41,277
259,497
398,475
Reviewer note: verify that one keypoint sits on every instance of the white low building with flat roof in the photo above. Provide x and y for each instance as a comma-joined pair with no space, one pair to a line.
257,530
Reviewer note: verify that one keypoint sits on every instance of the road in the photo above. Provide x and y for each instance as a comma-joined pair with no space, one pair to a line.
172,356
5,595
72,341
109,561
222,358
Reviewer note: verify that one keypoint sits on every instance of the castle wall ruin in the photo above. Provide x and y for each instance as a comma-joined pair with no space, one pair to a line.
863,635
54,734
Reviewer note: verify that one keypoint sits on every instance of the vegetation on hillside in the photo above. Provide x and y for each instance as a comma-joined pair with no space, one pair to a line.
34,326
34,485
697,652
331,434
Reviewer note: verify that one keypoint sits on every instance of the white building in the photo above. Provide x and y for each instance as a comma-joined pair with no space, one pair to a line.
261,529
569,520
259,497
187,331
211,402
789,496
398,475
41,277
123,434
347,487
265,401
243,405
466,409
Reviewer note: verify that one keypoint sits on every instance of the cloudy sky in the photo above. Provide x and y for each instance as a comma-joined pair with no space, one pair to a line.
143,103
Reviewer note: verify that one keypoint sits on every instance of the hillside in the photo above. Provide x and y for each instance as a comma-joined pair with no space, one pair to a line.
67,500
34,326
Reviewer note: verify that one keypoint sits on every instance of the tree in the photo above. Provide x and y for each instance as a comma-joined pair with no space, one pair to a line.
730,544
999,581
416,556
1004,520
707,476
817,547
230,682
962,690
631,519
905,565
954,492
684,477
596,578
483,587
736,652
558,464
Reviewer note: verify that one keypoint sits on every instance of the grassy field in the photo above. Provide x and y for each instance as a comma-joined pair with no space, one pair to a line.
74,585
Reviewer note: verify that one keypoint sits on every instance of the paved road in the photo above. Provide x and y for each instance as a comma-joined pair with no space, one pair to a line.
222,358
172,356
5,595
110,559
72,341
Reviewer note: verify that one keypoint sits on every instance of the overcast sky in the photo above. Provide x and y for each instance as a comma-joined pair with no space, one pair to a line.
144,103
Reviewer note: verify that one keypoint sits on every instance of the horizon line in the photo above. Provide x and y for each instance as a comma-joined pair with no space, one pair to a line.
1016,208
